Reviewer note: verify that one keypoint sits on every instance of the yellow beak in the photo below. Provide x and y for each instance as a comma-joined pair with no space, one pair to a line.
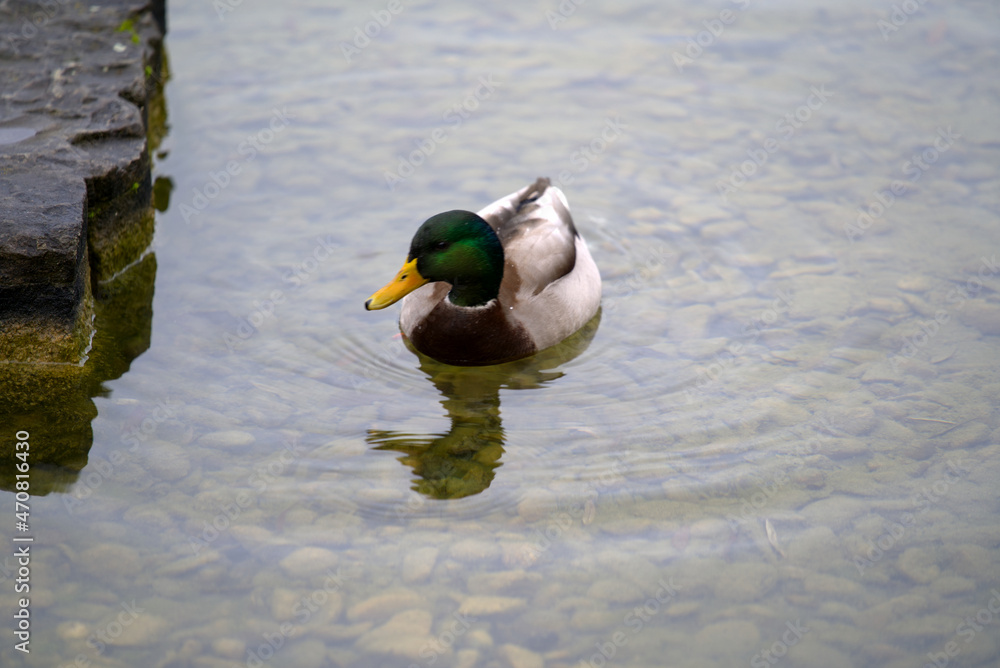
407,280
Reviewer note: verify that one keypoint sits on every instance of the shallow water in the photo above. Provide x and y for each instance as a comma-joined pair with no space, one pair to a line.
779,444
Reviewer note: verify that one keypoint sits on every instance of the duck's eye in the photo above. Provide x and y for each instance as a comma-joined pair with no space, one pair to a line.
441,245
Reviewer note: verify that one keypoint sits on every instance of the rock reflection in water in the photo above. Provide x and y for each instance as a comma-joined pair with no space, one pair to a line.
55,402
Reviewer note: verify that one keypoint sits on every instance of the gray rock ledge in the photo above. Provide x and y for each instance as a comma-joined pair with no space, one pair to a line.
76,83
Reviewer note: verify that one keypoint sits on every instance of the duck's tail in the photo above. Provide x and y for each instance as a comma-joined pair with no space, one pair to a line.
535,190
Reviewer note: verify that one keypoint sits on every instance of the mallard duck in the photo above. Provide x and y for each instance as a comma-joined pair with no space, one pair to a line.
498,285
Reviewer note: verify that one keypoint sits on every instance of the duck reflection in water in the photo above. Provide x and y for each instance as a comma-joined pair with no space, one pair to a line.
463,461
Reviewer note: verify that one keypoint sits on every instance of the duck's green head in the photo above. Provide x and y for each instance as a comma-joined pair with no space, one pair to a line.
458,247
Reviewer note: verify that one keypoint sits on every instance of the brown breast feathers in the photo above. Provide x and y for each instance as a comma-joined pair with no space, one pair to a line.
471,336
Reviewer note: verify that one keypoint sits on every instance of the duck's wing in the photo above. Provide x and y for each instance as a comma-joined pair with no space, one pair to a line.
538,237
